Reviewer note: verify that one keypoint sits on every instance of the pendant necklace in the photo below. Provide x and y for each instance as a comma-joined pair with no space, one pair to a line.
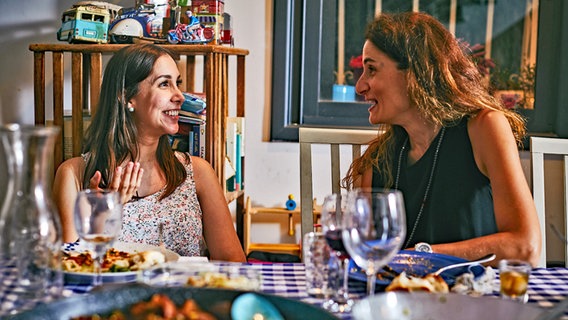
427,186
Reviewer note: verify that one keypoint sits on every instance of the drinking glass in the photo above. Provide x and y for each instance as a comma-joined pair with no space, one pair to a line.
98,219
375,228
514,279
332,211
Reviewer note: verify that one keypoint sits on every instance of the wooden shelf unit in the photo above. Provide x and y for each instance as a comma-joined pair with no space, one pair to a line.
86,78
290,248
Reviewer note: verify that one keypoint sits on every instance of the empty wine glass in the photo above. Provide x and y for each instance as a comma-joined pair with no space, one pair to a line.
375,228
332,222
98,219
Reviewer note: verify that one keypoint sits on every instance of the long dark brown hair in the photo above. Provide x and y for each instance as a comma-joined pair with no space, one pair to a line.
111,137
443,82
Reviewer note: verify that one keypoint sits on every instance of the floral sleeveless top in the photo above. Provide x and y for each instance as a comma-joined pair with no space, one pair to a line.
179,214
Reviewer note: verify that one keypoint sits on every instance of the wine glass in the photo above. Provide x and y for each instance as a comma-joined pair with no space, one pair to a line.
332,222
98,219
375,228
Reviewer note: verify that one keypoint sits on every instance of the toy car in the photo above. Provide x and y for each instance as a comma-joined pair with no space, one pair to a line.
136,23
192,32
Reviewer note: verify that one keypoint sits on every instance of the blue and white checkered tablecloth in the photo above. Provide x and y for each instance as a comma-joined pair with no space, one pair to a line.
546,286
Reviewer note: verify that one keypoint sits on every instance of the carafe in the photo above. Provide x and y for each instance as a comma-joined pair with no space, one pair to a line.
30,230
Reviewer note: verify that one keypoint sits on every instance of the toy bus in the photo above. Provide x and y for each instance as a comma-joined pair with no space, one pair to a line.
84,24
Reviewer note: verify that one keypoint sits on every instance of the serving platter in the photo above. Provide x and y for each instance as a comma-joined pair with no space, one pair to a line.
215,301
112,277
414,263
423,305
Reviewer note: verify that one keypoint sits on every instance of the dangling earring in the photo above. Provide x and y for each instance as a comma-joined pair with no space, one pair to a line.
131,109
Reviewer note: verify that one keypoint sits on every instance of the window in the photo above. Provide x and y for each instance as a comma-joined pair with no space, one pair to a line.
313,49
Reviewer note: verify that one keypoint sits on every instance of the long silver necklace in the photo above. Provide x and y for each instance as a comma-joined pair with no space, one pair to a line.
427,186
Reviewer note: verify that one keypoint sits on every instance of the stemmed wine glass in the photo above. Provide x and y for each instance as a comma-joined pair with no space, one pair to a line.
375,228
98,219
332,222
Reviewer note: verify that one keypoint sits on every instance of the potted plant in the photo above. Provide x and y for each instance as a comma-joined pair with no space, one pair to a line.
516,90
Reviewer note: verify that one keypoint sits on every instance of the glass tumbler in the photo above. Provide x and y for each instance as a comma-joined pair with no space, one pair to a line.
317,259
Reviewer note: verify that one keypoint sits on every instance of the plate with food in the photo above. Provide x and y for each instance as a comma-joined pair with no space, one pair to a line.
413,264
130,300
122,262
422,305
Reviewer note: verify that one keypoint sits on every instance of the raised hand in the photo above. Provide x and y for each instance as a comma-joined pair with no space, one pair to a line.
126,180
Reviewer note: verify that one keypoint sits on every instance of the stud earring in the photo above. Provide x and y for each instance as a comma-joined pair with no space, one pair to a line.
130,109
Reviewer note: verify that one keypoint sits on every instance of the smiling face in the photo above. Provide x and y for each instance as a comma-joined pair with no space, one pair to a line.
157,104
384,86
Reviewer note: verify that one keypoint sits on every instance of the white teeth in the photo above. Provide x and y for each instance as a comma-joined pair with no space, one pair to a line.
172,113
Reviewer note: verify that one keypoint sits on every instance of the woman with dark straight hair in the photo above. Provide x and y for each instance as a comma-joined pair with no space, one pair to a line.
167,195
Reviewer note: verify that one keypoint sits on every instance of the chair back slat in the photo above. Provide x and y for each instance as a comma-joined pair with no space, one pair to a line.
334,137
539,146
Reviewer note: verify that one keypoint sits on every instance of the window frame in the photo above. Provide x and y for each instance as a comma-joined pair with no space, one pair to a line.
296,79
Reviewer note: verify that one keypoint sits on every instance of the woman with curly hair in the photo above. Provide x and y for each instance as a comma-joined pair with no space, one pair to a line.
448,145
168,196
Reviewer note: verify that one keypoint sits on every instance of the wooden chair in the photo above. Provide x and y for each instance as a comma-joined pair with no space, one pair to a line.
540,146
333,137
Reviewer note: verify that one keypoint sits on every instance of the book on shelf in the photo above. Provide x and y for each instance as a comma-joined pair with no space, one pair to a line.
190,138
190,117
179,142
198,140
229,174
235,151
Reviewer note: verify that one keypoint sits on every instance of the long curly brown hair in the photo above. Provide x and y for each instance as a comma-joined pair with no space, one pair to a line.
443,82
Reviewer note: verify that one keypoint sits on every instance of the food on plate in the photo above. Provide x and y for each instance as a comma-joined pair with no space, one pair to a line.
429,283
212,279
114,261
159,307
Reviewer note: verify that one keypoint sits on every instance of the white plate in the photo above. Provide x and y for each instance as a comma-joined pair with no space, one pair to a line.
421,305
234,276
112,277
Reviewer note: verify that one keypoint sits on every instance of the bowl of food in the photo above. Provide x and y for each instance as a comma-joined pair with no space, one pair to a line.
203,275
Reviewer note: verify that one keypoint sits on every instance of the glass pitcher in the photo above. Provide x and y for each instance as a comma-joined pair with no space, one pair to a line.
30,230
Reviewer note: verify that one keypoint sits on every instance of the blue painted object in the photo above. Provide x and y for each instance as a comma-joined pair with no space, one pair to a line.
193,103
290,204
249,305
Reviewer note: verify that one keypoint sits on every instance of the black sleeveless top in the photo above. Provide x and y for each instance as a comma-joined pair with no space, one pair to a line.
460,202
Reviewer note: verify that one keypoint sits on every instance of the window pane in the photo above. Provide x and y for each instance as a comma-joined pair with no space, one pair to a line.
505,30
509,40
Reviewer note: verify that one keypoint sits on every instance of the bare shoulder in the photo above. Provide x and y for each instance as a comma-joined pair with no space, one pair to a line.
492,139
200,166
70,173
74,166
487,119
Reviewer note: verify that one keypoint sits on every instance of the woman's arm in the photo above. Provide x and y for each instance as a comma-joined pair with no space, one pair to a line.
218,229
497,157
67,183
